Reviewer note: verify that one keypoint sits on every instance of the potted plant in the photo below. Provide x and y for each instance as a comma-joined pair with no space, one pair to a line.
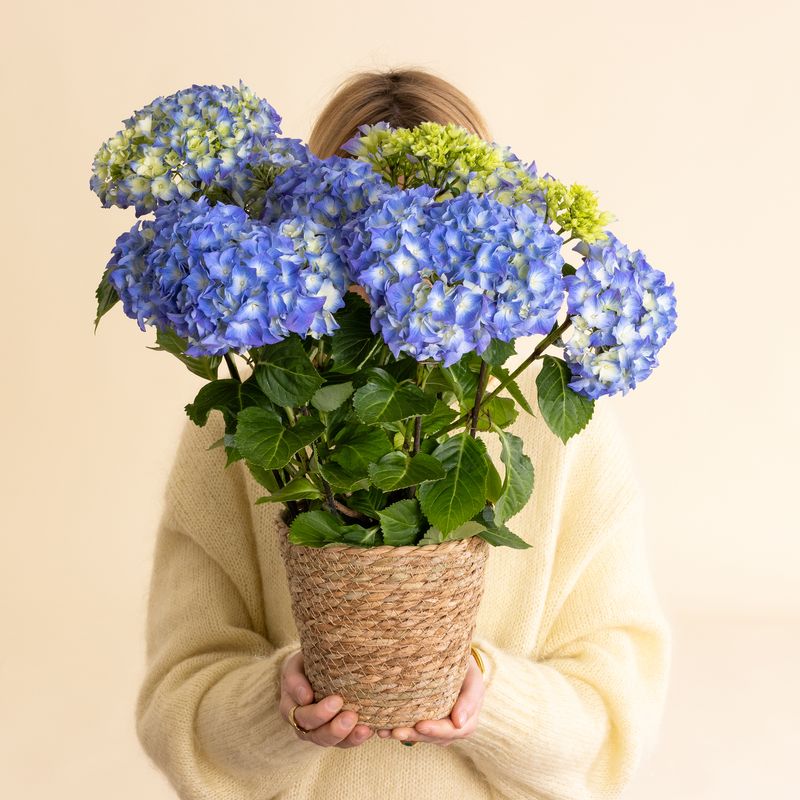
371,304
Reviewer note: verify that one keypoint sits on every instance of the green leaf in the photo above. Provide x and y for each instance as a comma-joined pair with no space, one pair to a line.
355,534
341,479
315,528
499,535
369,502
432,536
564,410
568,269
357,446
398,470
288,377
263,438
228,396
307,429
440,417
205,367
383,399
403,369
353,342
319,528
401,522
299,488
438,383
106,296
329,398
469,528
498,352
457,497
518,480
265,477
463,382
500,411
512,387
494,483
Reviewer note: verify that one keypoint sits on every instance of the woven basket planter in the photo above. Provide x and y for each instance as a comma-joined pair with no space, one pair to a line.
387,628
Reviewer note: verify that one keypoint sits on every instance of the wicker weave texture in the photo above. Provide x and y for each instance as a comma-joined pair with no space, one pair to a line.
387,628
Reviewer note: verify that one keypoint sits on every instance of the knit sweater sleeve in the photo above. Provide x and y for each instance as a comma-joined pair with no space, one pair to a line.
574,719
207,710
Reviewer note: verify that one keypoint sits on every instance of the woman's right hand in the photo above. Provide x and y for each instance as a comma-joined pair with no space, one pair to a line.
327,726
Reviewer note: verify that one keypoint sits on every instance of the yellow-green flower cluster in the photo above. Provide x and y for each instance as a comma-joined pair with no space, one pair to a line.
574,208
448,157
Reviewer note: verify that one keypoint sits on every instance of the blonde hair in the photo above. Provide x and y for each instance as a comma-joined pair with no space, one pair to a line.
401,96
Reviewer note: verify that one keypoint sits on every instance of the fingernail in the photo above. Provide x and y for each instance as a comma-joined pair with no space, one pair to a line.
402,736
424,729
335,701
306,696
458,719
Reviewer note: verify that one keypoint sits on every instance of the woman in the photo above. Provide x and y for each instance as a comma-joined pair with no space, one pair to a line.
575,645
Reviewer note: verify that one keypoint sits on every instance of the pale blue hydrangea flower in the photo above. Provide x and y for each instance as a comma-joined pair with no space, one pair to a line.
227,282
444,278
622,313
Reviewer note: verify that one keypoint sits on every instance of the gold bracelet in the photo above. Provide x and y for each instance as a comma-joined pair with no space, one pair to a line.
476,653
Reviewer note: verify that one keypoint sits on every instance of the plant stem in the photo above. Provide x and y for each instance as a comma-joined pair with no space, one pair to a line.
346,510
540,348
537,352
473,425
329,500
234,372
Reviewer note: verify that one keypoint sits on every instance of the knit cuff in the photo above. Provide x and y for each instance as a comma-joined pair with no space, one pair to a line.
239,725
527,717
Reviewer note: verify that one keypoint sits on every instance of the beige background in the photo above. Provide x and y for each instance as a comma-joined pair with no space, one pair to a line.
683,116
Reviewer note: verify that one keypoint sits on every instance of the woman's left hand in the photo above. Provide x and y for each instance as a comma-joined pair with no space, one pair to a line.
461,723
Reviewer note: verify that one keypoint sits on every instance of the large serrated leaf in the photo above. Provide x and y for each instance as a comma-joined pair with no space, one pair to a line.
498,535
518,480
228,396
329,398
106,296
287,376
319,528
341,479
263,438
353,342
498,352
398,470
401,522
299,488
205,367
383,399
358,446
564,410
512,387
457,497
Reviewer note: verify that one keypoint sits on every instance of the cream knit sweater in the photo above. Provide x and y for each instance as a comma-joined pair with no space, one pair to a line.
578,648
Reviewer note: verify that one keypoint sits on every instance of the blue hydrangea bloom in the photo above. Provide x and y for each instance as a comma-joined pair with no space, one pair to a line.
446,277
622,312
227,282
177,146
329,191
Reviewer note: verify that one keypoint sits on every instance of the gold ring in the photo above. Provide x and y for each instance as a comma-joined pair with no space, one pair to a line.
293,721
474,651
